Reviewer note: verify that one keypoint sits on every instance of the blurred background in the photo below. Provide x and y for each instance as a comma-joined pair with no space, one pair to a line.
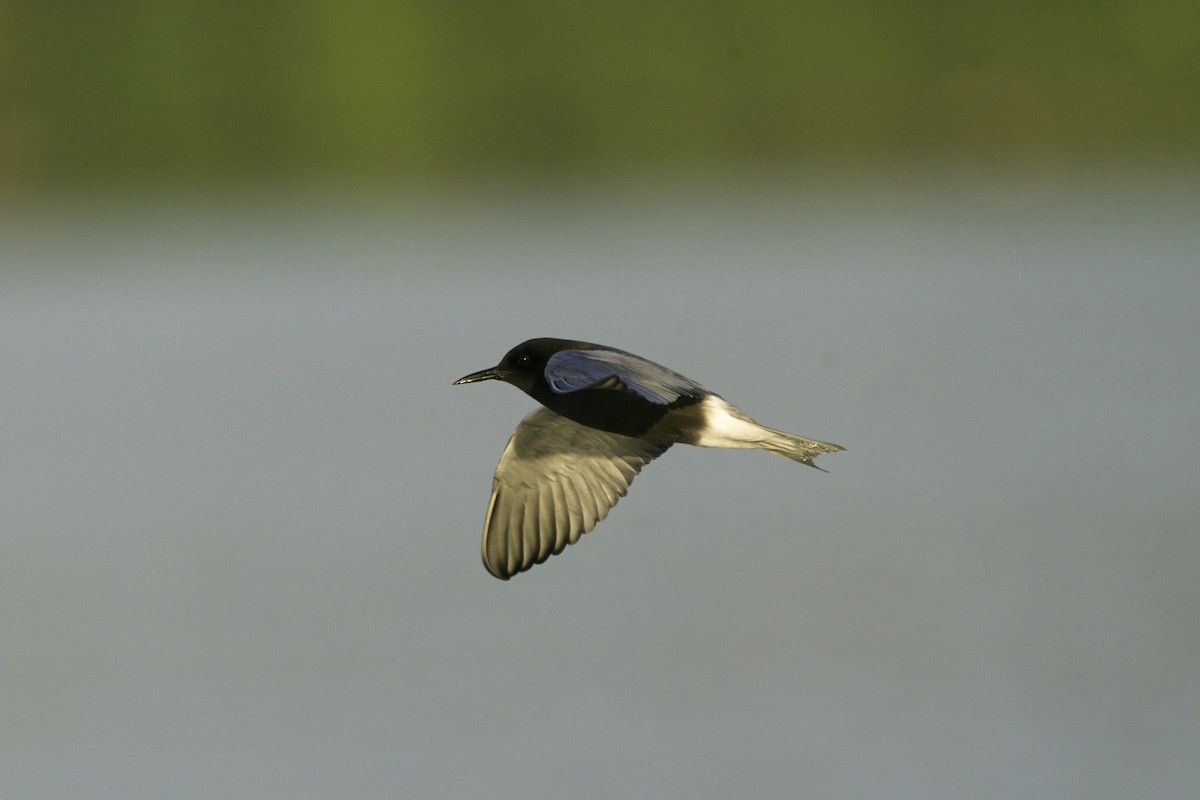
396,93
245,248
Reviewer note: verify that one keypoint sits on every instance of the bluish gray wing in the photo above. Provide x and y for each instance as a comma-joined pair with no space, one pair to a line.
572,370
556,479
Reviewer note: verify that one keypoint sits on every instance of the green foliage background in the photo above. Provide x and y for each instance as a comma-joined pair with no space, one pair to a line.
204,91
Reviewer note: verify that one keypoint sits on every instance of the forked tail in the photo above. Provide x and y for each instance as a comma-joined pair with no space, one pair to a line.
797,448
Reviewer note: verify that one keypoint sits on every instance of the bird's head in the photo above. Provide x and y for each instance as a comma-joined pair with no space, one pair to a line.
523,366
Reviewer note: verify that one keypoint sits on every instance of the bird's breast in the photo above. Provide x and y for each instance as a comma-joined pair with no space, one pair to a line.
625,413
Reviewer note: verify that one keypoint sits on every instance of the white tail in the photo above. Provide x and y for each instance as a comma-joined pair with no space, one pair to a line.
728,426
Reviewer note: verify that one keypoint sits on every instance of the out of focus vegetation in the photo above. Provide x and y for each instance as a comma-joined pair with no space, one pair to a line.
184,91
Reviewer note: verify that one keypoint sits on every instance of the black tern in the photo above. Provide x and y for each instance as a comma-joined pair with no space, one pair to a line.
607,413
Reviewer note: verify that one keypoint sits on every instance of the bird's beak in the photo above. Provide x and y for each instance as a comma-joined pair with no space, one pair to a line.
489,374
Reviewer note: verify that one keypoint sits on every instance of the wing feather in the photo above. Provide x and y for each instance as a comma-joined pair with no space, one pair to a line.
556,479
557,499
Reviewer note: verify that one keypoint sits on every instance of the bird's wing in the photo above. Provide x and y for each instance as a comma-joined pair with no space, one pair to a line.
555,481
571,370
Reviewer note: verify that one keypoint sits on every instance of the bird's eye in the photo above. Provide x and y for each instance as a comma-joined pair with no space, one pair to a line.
523,360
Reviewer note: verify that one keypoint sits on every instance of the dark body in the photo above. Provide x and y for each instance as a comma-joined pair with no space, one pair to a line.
625,412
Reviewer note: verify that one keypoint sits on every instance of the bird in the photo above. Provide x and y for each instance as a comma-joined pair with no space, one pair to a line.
605,414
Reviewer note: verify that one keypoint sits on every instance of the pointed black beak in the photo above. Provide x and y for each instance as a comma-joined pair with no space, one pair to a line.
489,374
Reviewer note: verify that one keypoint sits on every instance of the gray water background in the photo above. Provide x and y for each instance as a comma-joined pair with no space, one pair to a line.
241,502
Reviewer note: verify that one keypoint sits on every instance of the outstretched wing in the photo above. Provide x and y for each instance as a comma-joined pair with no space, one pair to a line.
556,479
572,370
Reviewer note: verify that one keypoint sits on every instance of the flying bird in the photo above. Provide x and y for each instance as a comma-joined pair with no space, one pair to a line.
606,414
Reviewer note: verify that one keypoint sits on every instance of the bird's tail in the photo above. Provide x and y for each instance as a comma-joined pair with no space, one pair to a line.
725,425
797,448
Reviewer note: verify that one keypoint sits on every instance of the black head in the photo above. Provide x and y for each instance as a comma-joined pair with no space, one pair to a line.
525,365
